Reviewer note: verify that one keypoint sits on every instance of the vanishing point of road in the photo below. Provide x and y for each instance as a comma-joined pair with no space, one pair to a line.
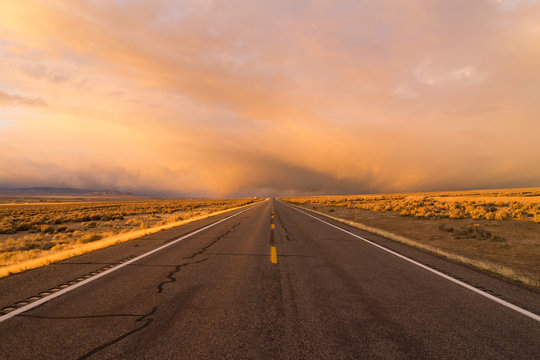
270,281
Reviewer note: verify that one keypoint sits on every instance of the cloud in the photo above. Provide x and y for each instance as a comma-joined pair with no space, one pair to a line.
217,99
467,75
12,99
40,72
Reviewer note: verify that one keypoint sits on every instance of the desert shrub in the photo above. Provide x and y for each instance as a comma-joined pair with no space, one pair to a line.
420,211
516,214
30,242
32,237
444,227
537,218
501,215
133,221
522,216
24,226
176,218
7,228
59,247
47,229
89,238
61,228
29,245
476,232
497,238
515,205
46,245
60,237
456,214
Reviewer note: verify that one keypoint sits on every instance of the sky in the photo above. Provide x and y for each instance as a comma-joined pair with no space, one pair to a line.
242,97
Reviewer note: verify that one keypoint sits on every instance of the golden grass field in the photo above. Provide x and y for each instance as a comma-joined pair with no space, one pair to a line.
39,232
494,230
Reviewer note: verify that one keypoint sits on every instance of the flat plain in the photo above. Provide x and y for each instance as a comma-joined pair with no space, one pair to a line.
34,229
495,230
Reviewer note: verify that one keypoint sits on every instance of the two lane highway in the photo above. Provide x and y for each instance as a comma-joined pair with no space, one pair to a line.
268,283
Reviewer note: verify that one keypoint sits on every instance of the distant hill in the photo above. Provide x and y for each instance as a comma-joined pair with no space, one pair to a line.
61,191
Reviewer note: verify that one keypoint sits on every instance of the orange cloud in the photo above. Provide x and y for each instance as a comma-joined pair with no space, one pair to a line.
207,98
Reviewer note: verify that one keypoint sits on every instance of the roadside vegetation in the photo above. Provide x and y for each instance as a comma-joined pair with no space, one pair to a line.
495,230
36,230
518,204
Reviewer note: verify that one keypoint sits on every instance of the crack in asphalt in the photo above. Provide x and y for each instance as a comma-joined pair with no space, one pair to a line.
122,337
283,226
171,278
212,243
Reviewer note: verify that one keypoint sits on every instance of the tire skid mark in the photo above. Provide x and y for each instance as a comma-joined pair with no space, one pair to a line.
170,276
59,287
212,243
147,322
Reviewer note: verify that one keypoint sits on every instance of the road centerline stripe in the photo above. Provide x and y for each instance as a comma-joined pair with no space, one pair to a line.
460,283
273,255
61,292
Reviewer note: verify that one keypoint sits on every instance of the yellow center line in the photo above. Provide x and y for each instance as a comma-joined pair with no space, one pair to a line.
273,255
273,226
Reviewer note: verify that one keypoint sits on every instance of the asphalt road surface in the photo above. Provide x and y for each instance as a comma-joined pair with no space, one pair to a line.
271,282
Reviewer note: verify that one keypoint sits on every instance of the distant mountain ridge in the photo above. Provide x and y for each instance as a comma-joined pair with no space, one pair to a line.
47,191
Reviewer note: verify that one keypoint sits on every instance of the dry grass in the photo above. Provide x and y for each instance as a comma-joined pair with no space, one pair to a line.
519,204
35,235
505,245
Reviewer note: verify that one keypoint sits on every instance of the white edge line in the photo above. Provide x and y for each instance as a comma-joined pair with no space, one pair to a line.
467,286
107,272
